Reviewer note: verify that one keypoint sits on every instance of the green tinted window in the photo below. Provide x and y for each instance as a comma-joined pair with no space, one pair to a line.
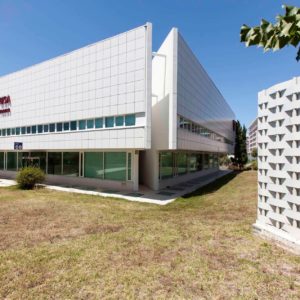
90,124
59,127
13,131
73,125
130,120
93,164
54,163
206,161
166,165
12,161
52,127
23,130
192,162
82,124
46,128
115,166
1,160
109,122
28,130
33,129
66,126
99,123
4,132
120,121
40,128
8,131
71,163
181,161
199,162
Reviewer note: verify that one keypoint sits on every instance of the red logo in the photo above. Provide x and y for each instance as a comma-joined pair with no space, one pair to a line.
5,101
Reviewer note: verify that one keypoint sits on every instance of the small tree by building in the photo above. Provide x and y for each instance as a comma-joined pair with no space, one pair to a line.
240,149
254,153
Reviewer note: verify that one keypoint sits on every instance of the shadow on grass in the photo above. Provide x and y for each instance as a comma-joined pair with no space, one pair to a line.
213,186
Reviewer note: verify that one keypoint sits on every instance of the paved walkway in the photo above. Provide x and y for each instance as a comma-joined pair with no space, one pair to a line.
7,183
146,195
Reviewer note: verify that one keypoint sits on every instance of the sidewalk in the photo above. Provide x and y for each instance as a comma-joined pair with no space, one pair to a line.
146,195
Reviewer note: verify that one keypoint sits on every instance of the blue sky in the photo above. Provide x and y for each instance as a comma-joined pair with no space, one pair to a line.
33,30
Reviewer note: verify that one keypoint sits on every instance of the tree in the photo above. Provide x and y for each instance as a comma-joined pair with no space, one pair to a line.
284,32
240,148
254,153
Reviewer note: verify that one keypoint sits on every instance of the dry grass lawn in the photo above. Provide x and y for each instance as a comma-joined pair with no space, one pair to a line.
64,246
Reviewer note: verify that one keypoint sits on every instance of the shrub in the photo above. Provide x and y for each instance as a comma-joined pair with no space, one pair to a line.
28,177
254,165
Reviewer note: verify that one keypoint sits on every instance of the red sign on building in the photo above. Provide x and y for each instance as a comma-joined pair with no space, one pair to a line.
5,102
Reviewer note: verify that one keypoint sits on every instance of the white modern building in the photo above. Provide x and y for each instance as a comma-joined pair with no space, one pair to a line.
279,162
115,114
252,137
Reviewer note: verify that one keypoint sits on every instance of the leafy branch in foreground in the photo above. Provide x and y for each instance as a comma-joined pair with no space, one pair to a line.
286,31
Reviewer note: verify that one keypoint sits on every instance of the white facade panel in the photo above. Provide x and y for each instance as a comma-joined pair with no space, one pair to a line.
198,99
279,162
109,78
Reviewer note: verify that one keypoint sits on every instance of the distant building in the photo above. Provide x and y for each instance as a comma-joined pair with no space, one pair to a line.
279,162
252,137
115,114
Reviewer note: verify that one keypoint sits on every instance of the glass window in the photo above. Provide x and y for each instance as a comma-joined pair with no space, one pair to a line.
181,161
71,163
211,161
59,127
22,159
13,131
52,127
109,122
199,162
82,124
33,129
66,126
46,128
18,131
8,131
12,161
99,123
73,125
115,166
192,162
119,121
206,161
54,163
28,130
166,165
216,161
39,160
129,166
40,128
93,165
1,160
90,124
130,120
4,132
23,130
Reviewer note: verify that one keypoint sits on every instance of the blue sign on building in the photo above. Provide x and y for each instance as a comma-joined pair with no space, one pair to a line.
18,146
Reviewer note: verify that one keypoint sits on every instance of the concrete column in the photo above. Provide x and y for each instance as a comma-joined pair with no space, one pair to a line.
135,169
